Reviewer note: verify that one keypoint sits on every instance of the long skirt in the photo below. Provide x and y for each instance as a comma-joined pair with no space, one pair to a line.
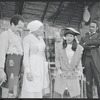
40,84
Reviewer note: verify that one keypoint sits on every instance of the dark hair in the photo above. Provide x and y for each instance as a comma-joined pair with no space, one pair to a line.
74,44
94,21
15,19
69,32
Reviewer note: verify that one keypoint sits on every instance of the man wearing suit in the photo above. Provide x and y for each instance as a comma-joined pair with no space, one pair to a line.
91,58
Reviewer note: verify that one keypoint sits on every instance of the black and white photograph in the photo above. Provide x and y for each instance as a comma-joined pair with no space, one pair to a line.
50,49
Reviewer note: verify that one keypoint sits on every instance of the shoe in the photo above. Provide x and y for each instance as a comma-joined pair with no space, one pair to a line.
11,95
66,93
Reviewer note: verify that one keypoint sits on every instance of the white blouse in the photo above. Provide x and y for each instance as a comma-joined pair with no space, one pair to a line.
10,43
15,44
69,52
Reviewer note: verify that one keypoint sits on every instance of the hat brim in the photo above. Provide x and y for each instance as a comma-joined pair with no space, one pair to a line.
70,30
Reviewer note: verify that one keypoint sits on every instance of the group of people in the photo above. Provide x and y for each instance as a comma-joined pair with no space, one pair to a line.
71,57
29,52
75,58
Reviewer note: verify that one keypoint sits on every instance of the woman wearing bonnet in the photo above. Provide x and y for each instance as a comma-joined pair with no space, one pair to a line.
68,64
36,79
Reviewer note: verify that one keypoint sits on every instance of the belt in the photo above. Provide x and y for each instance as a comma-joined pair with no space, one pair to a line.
14,54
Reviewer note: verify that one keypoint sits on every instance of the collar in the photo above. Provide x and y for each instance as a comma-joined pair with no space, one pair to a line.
90,34
13,32
10,30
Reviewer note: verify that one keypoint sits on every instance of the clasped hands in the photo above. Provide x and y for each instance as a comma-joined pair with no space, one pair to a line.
61,73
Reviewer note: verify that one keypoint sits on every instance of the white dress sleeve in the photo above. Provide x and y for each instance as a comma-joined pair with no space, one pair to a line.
3,48
26,54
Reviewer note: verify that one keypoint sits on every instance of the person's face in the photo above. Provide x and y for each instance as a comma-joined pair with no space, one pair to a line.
18,28
93,27
40,31
70,38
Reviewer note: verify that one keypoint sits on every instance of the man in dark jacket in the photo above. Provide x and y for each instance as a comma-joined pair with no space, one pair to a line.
91,58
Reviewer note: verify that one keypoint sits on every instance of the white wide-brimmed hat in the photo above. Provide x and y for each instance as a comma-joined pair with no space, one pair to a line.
34,25
70,30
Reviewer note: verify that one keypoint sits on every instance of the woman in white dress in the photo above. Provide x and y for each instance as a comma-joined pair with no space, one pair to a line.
35,79
68,64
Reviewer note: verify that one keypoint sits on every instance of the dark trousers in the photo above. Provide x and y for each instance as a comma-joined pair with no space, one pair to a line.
91,73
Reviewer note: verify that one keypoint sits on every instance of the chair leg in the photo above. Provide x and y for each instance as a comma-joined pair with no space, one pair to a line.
81,95
61,95
51,87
